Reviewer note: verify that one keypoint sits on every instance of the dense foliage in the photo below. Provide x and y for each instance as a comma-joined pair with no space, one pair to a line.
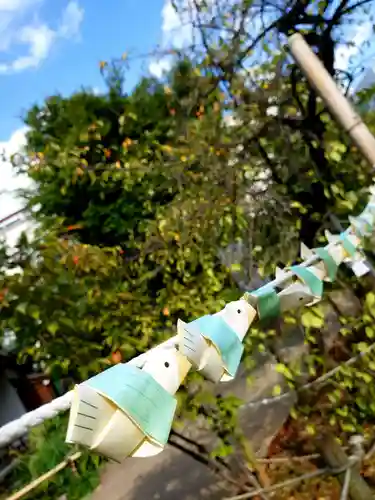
46,450
140,192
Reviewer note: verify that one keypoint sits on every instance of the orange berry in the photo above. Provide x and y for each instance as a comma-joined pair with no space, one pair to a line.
116,357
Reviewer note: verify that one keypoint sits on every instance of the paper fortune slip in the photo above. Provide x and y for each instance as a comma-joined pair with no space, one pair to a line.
213,343
127,410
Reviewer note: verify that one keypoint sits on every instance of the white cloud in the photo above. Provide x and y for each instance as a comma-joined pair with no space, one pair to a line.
178,28
345,52
177,32
37,36
157,68
40,40
71,20
14,5
97,91
10,181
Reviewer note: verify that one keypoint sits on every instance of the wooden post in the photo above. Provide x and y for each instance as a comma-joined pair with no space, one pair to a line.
336,102
336,458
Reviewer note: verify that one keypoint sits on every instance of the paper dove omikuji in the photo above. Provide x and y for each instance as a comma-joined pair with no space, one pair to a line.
347,252
126,410
213,343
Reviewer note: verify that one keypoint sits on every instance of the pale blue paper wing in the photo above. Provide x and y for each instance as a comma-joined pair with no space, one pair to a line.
137,393
225,339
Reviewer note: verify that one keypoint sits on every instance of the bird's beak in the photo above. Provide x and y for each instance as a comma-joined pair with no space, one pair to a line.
183,366
251,312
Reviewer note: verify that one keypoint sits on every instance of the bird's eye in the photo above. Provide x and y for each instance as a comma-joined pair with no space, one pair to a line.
166,364
239,311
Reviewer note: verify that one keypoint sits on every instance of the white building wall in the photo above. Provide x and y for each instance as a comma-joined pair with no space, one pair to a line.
13,225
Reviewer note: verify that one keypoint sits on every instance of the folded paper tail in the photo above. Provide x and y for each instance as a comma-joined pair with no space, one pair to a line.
359,268
147,449
337,252
119,438
212,366
191,344
305,252
201,353
89,414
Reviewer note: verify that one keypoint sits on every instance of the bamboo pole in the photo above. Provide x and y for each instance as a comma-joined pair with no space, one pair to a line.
36,482
336,102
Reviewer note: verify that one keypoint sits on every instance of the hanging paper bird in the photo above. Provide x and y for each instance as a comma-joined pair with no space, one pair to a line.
266,301
346,251
363,224
302,288
213,343
326,268
319,269
128,410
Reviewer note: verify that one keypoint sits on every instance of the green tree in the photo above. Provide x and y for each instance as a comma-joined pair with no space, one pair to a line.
182,167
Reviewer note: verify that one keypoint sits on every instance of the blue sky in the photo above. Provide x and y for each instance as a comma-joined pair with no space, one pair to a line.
54,46
49,46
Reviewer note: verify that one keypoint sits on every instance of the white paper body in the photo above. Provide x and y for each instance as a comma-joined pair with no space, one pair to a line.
294,296
200,351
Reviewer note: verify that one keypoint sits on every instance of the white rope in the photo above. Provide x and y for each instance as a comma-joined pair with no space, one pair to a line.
18,428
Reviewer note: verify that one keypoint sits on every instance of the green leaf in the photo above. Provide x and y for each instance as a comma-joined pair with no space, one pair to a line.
347,427
276,391
310,429
370,332
68,322
293,413
284,370
370,300
343,412
34,312
311,320
53,327
362,347
22,308
335,156
92,177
